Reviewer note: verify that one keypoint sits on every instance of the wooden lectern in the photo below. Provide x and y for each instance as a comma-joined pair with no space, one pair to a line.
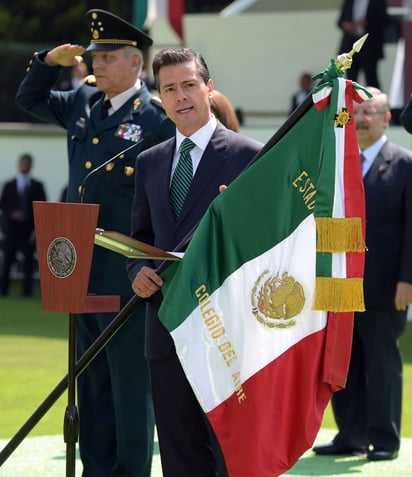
65,235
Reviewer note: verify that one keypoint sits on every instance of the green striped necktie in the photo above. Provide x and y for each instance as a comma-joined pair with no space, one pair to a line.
182,177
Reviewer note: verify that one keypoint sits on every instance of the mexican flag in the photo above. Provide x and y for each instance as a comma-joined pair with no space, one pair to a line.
261,306
145,11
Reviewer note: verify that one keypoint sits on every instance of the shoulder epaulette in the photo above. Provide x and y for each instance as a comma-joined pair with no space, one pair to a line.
157,102
90,80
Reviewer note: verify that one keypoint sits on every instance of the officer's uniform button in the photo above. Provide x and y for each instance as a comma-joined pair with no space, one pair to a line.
128,170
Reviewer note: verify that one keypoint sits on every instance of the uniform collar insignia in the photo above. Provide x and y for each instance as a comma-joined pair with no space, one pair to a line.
136,104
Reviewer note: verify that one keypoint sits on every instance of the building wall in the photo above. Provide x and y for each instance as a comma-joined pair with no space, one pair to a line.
257,58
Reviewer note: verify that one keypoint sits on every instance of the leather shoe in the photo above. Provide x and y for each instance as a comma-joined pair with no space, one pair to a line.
382,455
339,449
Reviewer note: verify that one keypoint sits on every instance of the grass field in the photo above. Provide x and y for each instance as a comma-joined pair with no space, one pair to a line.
33,359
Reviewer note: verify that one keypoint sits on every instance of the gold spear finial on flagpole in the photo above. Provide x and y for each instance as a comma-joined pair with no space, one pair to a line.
344,61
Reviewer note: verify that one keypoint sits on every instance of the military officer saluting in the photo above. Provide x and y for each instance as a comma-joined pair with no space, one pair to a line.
115,408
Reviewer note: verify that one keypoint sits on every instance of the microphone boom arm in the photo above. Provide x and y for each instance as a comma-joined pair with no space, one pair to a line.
82,189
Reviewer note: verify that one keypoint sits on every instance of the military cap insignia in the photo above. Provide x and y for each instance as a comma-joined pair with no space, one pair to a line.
96,26
129,131
277,300
110,32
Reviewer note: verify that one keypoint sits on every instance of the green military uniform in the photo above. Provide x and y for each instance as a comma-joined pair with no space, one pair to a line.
116,417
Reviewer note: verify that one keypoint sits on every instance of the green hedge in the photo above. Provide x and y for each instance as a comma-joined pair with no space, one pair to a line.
14,58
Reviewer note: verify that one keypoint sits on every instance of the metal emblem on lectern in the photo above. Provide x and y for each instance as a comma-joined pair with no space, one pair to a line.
61,257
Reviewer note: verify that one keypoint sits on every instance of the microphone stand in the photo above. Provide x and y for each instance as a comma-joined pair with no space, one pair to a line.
71,423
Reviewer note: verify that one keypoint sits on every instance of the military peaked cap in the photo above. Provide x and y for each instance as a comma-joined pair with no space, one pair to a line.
109,32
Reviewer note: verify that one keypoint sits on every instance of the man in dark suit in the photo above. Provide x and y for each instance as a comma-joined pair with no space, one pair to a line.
368,410
115,407
356,18
188,447
18,222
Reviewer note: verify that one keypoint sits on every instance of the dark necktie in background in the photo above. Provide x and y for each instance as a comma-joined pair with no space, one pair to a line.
362,160
106,106
25,203
182,177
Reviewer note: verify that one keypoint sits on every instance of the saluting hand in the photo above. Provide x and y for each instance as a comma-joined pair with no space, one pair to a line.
65,55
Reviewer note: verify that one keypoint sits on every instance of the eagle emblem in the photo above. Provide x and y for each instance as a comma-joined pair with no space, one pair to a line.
61,257
277,300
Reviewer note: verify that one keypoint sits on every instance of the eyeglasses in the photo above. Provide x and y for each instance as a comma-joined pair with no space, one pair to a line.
367,113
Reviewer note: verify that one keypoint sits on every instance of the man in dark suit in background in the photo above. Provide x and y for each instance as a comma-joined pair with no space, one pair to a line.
78,73
115,407
406,116
358,17
368,410
305,87
217,156
18,222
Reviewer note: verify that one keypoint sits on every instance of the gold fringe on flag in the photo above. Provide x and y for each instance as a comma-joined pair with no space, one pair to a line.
339,235
339,294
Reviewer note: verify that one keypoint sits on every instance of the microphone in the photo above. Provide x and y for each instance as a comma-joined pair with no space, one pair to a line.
82,189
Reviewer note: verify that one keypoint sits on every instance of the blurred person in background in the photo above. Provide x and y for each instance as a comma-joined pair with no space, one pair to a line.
18,222
222,108
356,18
78,73
368,411
305,87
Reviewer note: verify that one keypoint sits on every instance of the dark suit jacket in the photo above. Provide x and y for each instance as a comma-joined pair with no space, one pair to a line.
406,116
226,155
10,200
377,20
388,193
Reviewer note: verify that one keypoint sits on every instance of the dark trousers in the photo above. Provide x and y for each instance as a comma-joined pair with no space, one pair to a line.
18,237
369,68
114,400
188,446
368,410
